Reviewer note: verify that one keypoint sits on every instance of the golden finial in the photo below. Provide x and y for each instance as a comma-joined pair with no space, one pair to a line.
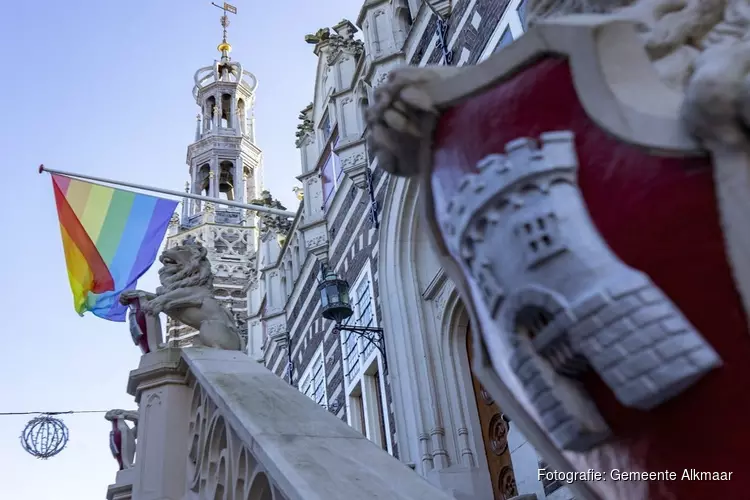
224,47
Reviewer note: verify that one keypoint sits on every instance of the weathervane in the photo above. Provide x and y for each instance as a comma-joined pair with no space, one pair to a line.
224,19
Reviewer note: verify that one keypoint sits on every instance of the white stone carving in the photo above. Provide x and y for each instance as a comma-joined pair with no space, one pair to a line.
563,300
219,464
353,160
277,332
394,120
342,41
145,328
381,79
317,241
122,437
440,302
186,295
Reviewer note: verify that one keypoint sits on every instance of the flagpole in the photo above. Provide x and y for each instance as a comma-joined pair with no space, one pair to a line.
230,203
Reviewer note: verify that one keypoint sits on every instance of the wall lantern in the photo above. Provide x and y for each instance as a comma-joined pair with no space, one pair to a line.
336,306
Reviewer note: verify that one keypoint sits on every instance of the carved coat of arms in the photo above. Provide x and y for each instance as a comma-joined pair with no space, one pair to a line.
580,220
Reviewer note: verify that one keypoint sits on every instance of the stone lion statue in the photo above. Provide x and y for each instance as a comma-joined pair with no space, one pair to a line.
701,47
186,295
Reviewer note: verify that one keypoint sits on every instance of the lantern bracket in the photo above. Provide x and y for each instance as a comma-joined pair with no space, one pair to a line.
373,336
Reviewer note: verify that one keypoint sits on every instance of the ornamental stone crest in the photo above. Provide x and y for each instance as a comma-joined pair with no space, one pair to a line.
281,225
305,127
566,181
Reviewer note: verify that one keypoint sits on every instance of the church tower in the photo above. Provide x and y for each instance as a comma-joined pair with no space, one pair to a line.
224,163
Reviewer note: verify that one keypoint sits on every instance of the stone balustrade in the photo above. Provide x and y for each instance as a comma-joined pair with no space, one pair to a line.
215,424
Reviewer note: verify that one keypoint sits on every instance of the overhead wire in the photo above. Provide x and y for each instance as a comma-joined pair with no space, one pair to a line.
68,412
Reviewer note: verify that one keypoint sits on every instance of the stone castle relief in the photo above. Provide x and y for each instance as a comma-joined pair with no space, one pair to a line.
562,298
586,188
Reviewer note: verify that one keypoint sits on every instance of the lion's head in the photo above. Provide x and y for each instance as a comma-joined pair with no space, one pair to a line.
185,266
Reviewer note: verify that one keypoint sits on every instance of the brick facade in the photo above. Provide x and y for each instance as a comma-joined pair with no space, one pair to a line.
353,242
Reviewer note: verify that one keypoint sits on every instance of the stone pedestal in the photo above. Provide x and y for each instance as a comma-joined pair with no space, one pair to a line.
123,487
160,388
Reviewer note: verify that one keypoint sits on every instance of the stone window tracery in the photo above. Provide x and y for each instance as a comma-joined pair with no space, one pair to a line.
331,173
289,277
208,113
226,180
242,116
312,383
284,287
403,18
296,260
363,382
226,111
357,350
509,28
202,179
325,128
364,105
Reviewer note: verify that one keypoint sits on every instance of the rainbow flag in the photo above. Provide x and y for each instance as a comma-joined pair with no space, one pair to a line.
110,238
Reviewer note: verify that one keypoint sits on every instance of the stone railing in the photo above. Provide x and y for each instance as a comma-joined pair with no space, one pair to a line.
215,424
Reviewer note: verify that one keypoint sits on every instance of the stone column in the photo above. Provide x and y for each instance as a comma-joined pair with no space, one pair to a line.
232,120
239,180
213,176
186,202
250,112
241,122
217,116
160,388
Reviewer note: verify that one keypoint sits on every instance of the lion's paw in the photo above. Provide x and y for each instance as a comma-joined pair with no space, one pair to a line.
153,307
397,120
128,296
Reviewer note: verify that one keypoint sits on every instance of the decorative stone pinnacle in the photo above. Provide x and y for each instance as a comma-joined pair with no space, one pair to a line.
174,220
319,36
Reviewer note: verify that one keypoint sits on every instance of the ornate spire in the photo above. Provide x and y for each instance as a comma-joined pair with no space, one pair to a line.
224,47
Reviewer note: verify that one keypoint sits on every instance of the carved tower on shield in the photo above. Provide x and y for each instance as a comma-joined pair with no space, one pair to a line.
224,163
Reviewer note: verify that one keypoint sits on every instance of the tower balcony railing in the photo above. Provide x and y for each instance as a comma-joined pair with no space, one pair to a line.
228,131
193,220
217,424
227,215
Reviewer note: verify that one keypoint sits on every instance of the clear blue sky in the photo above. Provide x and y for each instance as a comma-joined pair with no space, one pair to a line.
104,88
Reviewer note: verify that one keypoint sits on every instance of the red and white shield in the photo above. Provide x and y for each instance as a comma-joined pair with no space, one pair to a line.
571,114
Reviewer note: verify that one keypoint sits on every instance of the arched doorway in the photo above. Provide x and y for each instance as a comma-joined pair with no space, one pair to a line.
494,436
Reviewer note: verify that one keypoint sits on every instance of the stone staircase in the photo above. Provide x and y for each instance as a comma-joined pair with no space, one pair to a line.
216,425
